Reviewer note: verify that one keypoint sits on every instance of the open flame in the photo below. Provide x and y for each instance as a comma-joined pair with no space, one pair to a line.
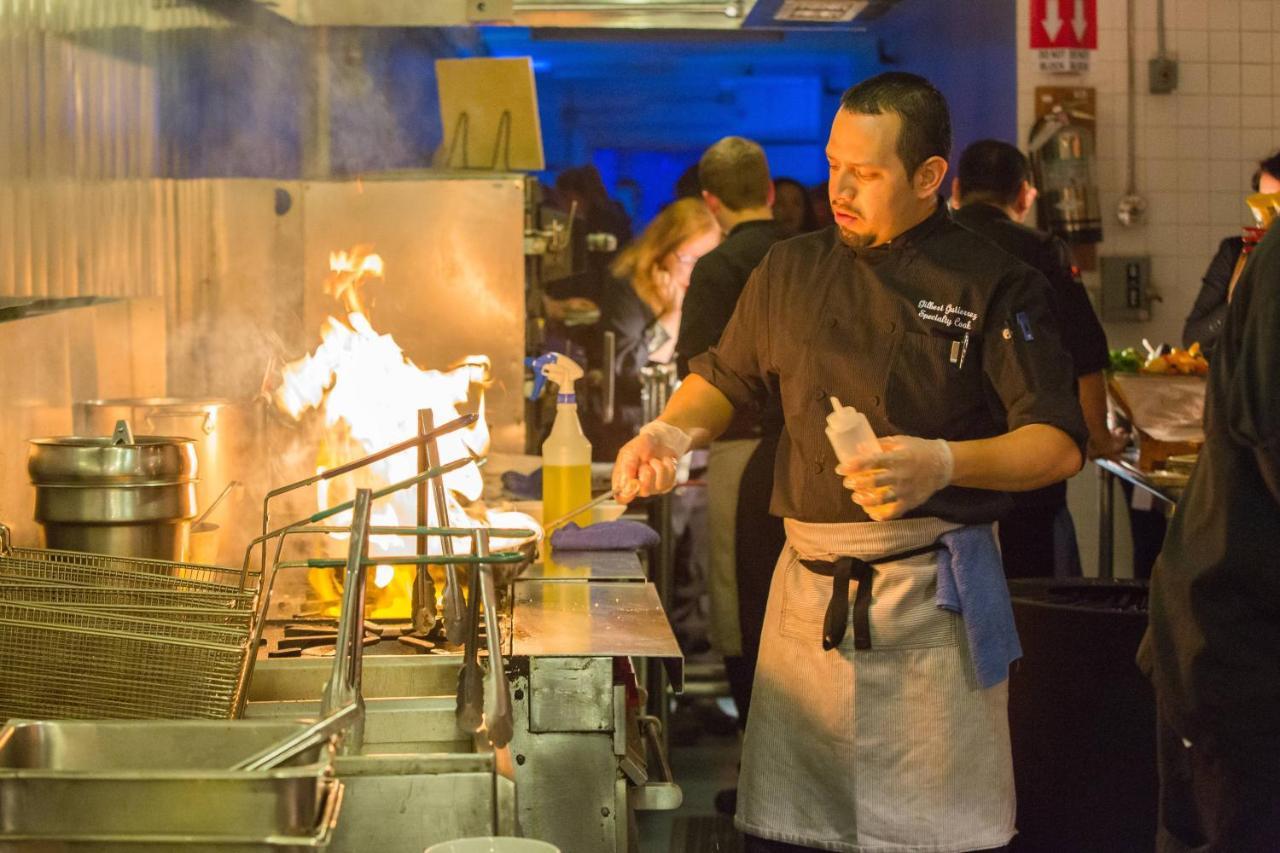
369,393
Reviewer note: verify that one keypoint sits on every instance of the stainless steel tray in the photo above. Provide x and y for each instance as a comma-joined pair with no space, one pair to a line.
319,839
123,778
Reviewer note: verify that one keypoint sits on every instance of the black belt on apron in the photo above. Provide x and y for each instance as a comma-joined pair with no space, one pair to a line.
840,570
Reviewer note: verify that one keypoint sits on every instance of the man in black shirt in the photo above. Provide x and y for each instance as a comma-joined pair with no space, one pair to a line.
744,539
889,736
993,189
1212,647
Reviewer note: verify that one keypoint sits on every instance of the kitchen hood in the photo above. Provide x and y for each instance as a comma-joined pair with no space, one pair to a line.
584,14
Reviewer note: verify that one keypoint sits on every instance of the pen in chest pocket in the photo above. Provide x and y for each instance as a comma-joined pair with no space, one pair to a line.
959,349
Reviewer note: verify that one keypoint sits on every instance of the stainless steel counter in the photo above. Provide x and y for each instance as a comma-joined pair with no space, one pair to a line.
580,764
592,604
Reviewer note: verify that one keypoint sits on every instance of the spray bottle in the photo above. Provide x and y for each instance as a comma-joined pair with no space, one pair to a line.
850,432
566,454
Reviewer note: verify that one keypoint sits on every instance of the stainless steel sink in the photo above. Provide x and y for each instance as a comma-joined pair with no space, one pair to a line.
392,726
409,700
154,777
418,779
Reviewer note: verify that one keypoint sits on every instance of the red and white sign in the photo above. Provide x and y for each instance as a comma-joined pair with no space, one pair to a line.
1064,24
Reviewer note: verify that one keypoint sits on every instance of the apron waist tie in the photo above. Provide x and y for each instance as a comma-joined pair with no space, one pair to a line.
840,570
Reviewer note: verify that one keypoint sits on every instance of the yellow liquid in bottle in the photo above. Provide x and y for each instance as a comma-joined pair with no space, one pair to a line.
563,488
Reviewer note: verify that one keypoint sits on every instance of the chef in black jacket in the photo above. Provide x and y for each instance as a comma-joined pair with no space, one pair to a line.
993,192
889,735
744,539
1212,648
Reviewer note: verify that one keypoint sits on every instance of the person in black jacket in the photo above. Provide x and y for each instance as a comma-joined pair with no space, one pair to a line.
1204,323
870,726
1212,647
994,194
744,539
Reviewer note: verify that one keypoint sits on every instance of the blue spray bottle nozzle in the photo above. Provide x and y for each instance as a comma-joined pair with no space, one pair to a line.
560,369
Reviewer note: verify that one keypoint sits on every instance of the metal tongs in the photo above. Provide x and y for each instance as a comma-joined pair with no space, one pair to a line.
342,707
498,720
425,441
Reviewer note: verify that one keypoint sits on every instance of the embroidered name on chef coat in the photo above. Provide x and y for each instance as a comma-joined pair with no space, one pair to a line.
950,316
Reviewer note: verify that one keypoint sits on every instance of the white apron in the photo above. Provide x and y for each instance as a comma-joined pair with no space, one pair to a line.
892,748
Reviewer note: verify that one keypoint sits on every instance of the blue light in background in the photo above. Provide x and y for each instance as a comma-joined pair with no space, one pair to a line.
643,107
640,105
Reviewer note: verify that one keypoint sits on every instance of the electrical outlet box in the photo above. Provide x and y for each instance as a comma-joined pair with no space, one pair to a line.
1162,75
1126,288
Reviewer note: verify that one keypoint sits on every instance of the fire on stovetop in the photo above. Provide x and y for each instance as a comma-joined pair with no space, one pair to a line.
368,393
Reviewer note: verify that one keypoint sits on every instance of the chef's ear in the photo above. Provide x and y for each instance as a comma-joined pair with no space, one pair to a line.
927,181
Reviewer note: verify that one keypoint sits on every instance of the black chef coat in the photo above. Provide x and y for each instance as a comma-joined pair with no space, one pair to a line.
937,334
1081,333
714,287
1204,323
1213,644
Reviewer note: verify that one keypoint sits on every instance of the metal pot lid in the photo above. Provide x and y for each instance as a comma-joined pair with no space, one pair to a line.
119,459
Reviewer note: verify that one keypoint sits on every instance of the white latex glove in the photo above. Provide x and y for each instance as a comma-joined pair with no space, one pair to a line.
905,474
646,465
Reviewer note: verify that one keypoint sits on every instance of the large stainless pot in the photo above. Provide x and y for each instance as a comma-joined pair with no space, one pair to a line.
228,436
123,495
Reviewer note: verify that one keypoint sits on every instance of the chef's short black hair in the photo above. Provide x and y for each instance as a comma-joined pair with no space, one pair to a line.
1271,165
926,121
992,171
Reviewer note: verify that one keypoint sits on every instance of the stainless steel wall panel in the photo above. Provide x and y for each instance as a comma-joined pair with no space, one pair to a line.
453,246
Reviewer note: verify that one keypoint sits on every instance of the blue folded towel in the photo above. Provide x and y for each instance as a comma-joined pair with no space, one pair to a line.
524,486
971,582
621,535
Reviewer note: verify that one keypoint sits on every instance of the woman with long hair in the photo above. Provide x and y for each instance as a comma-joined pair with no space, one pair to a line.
792,210
641,306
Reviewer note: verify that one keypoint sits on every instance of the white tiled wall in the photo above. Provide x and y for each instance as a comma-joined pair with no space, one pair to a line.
1197,149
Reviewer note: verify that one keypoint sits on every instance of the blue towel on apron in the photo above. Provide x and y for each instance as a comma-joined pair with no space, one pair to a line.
971,582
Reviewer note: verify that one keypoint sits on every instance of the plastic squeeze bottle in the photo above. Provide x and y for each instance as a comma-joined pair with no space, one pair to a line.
850,433
566,454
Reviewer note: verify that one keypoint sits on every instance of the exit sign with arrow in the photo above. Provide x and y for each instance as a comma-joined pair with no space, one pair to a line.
1064,31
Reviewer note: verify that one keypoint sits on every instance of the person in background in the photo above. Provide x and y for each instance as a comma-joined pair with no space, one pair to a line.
687,185
1212,647
641,305
743,538
875,725
1204,323
574,298
599,213
820,206
792,211
993,194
